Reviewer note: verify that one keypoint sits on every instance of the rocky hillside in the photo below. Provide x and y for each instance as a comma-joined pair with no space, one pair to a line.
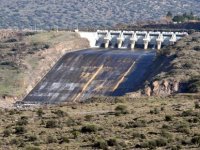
177,69
25,57
87,13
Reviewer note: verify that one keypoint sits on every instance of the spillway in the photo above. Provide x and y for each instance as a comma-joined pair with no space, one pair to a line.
92,72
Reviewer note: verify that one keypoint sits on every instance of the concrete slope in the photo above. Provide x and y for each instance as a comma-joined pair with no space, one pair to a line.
82,74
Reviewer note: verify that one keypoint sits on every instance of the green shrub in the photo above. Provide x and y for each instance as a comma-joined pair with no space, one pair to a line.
89,128
40,112
64,139
51,124
197,48
136,124
7,132
154,111
138,135
197,105
51,139
32,138
168,118
196,140
22,121
75,134
102,144
32,148
183,128
20,130
88,117
121,109
112,142
60,113
152,144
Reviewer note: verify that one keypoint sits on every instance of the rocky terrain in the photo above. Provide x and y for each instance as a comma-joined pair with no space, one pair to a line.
37,14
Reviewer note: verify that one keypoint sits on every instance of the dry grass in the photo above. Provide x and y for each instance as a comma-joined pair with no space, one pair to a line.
168,122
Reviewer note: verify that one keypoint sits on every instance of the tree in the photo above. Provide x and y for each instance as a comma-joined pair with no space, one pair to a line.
169,14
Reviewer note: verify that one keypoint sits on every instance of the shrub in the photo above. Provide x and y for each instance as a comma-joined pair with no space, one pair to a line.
51,139
183,128
121,109
166,134
138,135
196,140
136,124
7,132
154,143
32,138
40,112
102,144
75,133
22,121
112,142
60,113
197,48
51,124
32,148
197,105
89,128
88,117
20,130
168,118
64,139
155,111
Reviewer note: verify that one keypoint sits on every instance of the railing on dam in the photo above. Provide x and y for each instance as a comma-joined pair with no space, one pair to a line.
131,39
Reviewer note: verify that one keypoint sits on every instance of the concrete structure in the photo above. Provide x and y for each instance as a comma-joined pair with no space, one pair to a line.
129,39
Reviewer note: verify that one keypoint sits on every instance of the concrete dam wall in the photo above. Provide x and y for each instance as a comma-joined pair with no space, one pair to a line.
92,72
131,39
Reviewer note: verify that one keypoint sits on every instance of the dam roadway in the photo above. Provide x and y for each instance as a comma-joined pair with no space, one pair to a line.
92,72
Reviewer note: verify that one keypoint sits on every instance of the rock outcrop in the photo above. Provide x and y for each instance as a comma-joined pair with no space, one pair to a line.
162,88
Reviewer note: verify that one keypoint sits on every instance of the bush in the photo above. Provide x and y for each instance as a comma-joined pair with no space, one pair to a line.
168,118
32,148
112,142
51,124
7,132
121,109
88,117
154,143
183,128
89,128
40,112
51,139
197,48
102,144
60,113
138,135
32,138
23,121
154,111
20,130
64,140
75,133
136,124
197,105
196,140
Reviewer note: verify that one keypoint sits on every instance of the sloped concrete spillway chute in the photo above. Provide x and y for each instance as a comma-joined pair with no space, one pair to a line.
86,73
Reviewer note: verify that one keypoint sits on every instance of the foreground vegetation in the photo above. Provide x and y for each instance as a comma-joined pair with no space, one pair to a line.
105,123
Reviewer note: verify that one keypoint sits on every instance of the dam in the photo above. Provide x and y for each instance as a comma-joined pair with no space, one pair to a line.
92,72
109,68
131,39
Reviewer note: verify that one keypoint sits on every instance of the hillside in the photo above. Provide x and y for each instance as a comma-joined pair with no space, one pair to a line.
85,13
25,57
105,123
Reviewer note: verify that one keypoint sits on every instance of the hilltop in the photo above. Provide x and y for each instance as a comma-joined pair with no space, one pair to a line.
85,13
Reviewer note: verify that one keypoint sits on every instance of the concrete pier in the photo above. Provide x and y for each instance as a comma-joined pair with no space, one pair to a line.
128,39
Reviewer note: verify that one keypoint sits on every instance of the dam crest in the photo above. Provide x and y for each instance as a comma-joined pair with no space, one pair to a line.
131,39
